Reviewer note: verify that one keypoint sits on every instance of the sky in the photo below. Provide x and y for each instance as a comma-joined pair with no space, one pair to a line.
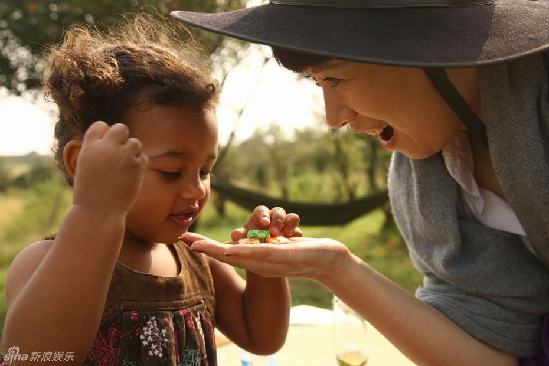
26,125
271,95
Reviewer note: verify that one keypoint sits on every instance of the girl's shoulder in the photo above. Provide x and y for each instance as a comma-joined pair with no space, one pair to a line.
23,266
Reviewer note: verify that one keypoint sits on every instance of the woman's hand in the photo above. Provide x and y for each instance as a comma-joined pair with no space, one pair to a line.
109,169
304,257
276,220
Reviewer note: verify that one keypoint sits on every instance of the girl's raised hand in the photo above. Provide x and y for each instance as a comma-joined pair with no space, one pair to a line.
109,168
276,220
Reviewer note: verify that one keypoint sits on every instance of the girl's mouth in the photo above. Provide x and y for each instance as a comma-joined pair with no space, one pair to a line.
183,219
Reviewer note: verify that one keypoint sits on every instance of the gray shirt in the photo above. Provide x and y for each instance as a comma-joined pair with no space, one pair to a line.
483,279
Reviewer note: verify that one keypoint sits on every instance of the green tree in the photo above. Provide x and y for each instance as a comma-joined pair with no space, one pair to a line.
4,175
41,170
26,26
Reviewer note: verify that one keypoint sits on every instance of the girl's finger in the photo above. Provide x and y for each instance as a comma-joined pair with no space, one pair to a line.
290,225
134,146
278,216
238,234
297,233
260,217
118,133
96,131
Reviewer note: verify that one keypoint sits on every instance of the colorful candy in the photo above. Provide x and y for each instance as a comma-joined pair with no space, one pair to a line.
262,236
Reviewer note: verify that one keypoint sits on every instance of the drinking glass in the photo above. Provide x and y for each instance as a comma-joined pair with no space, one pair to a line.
349,335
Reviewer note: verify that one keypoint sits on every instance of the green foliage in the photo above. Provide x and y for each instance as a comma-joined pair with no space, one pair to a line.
41,170
4,175
26,26
44,206
311,167
45,203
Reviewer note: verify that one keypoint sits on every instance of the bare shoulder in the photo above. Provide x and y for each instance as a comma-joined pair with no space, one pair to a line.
23,266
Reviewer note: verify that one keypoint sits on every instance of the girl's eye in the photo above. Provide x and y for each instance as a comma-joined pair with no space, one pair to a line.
205,174
170,175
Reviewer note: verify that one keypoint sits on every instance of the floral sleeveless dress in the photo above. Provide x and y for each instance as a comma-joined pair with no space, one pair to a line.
151,320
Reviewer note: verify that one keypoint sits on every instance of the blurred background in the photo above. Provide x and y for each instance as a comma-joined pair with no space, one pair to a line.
275,147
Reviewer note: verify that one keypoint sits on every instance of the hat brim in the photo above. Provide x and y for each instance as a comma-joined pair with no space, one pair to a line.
420,37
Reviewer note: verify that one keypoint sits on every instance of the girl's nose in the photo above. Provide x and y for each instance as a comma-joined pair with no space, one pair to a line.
194,188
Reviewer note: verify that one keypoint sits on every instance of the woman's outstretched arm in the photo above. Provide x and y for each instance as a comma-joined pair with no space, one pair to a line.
419,331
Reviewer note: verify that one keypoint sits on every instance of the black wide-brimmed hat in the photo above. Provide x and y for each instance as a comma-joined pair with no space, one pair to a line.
424,33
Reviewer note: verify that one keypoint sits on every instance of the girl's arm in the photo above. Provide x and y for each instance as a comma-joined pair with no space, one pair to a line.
422,333
57,294
254,313
57,303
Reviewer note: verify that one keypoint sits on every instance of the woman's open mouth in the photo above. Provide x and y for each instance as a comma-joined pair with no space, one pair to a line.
387,133
386,136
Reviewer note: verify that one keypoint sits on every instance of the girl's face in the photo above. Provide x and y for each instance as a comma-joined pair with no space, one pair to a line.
397,104
181,143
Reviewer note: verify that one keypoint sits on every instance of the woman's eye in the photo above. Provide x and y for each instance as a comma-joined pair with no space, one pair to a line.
332,81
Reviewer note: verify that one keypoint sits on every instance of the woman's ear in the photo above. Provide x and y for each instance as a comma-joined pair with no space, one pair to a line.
70,156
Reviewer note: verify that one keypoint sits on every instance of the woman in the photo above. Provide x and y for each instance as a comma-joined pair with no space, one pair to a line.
457,89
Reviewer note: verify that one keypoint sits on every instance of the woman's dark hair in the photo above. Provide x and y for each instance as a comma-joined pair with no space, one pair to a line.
297,61
93,75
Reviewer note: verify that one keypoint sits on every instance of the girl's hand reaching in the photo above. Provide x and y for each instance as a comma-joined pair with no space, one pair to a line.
276,220
109,169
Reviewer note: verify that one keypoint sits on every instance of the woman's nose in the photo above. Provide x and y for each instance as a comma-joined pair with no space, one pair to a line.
337,113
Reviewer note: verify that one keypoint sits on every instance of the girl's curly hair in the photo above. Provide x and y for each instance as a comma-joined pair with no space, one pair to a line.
93,75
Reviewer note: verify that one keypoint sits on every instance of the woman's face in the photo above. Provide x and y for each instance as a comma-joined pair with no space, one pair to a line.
397,104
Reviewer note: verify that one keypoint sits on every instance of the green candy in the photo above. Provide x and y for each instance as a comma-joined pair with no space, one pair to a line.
259,234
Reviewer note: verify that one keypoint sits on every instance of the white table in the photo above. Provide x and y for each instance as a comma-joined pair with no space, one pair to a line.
310,343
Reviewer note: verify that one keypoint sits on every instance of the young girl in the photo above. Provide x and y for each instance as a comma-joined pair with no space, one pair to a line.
458,91
115,286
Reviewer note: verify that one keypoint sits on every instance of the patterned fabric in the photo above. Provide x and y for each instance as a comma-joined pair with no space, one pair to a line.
184,337
151,320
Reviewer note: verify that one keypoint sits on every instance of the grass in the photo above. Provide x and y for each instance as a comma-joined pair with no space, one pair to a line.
33,214
11,206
